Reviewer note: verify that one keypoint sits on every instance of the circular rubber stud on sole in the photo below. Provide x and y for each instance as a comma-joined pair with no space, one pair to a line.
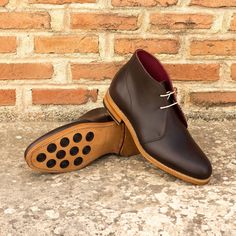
51,163
64,164
86,150
61,154
64,142
74,151
77,138
78,161
89,136
52,147
41,157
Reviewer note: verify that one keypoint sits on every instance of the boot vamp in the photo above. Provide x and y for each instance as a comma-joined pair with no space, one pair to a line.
178,150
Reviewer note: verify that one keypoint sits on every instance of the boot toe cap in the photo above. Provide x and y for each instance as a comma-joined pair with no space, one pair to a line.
202,169
190,161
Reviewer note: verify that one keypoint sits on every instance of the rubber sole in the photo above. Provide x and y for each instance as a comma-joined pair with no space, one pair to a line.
75,147
119,117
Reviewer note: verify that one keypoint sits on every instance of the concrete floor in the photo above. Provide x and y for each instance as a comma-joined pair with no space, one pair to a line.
117,195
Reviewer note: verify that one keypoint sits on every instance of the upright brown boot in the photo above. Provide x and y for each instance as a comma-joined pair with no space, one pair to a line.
75,145
142,96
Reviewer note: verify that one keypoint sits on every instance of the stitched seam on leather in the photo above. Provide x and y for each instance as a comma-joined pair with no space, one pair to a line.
163,132
127,87
131,65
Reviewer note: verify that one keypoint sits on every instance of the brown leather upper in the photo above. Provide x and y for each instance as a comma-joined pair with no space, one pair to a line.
96,115
162,133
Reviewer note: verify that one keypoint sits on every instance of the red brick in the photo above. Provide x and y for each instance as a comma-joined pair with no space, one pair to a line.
233,71
143,3
193,72
181,72
8,44
63,96
233,23
24,20
214,3
180,21
3,2
60,2
213,98
103,70
103,21
162,46
25,71
66,44
213,47
7,97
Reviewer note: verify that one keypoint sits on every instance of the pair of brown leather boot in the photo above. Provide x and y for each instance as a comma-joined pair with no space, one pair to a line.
144,117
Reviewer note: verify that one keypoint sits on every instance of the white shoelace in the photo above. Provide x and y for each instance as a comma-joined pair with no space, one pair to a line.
168,94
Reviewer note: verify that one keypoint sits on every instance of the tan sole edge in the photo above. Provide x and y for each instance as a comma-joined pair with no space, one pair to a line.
119,116
105,138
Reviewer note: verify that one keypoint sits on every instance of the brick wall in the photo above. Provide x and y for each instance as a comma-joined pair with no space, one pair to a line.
57,57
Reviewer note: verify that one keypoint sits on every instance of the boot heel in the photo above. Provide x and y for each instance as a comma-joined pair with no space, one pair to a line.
128,147
107,103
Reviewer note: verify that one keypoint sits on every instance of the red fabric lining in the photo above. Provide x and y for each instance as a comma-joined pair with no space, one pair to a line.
154,68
